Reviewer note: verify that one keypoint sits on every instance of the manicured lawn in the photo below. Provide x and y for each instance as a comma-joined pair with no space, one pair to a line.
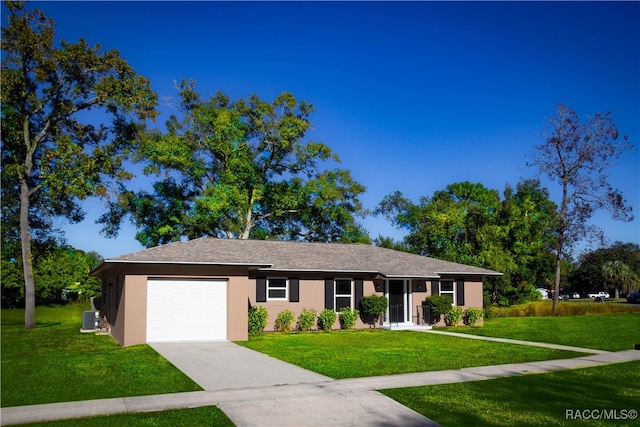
203,416
532,400
612,332
363,353
56,363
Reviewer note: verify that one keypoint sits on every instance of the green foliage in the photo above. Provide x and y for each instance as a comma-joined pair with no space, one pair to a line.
588,276
348,317
470,224
453,317
51,159
61,277
372,307
306,320
239,169
473,315
284,321
439,305
12,283
258,318
326,319
620,277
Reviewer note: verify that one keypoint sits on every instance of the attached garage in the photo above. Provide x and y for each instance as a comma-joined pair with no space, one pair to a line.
186,310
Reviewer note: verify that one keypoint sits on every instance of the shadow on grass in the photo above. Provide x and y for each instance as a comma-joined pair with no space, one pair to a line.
47,324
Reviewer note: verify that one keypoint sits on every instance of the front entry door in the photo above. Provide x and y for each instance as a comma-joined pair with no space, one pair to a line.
396,301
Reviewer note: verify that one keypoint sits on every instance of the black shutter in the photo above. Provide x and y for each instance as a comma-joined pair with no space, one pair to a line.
435,287
328,294
359,292
294,290
460,292
261,289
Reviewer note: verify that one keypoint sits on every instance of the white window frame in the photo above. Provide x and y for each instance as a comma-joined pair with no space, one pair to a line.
336,295
286,288
452,292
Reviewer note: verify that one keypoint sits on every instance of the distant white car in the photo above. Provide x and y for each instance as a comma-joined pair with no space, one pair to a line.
575,295
601,294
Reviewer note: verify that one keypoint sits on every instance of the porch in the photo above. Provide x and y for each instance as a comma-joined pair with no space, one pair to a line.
420,319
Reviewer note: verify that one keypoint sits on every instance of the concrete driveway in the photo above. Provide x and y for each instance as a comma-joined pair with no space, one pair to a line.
243,382
224,365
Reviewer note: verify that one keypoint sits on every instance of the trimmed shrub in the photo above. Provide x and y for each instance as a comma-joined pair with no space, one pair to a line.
326,319
453,317
473,315
306,319
348,317
372,307
284,320
439,306
258,317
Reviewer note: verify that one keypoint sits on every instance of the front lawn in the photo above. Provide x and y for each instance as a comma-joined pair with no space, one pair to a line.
363,353
533,400
56,363
611,332
202,416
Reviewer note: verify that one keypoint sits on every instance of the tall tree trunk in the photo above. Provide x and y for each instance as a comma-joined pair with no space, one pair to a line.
248,220
27,259
556,284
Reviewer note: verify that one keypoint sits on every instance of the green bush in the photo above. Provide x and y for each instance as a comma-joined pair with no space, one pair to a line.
326,319
348,317
284,320
258,317
453,317
439,306
473,315
306,319
372,307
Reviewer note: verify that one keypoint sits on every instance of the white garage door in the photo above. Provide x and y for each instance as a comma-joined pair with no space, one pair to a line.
186,310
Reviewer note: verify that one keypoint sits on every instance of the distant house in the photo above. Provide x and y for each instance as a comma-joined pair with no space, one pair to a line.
201,290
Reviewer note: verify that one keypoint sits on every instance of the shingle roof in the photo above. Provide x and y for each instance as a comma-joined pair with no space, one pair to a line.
270,255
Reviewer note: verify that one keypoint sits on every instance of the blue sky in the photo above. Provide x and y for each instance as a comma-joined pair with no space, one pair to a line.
413,96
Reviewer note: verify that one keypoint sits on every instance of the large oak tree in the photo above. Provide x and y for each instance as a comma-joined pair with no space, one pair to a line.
52,154
240,169
469,223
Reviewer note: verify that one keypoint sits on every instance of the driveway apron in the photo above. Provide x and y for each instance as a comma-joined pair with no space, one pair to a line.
221,365
301,398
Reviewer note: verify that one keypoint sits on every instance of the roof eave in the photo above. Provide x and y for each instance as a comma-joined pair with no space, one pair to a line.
469,273
108,262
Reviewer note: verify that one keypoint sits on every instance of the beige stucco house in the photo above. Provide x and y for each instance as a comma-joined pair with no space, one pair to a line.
201,290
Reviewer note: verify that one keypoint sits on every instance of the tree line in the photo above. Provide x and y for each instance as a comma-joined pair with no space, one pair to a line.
245,169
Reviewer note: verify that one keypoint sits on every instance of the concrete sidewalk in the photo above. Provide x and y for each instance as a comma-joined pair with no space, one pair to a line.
518,342
347,402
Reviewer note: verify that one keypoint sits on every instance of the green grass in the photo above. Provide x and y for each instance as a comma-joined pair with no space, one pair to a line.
530,400
352,354
203,416
607,332
56,363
